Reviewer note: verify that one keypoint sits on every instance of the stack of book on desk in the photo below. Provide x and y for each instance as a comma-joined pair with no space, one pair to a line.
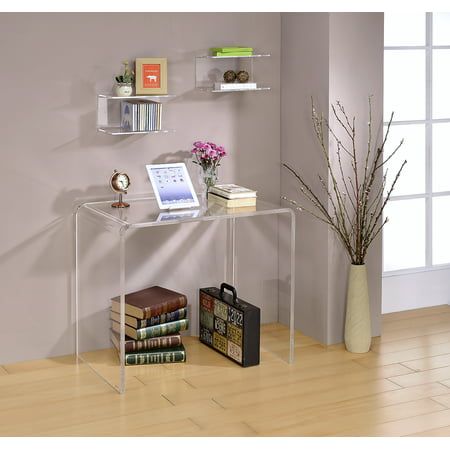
153,319
232,196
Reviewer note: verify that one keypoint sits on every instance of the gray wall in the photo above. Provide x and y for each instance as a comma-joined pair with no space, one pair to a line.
343,60
53,67
304,74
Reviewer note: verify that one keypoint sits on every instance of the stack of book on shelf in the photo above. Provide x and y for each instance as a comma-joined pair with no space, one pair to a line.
231,51
154,318
138,115
232,196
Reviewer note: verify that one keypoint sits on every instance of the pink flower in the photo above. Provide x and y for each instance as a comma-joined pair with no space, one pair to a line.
207,154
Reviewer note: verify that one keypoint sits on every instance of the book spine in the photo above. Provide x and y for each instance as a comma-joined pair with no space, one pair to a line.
163,329
233,54
231,49
149,344
155,358
159,116
152,117
169,306
251,201
163,318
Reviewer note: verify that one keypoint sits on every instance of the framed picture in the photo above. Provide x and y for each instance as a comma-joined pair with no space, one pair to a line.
151,76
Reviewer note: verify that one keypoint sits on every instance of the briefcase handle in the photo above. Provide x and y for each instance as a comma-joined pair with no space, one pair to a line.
230,288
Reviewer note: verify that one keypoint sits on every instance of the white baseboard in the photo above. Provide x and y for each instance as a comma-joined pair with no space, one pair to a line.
415,290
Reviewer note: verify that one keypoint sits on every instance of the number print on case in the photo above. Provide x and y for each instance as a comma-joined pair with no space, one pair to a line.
220,310
234,351
206,336
235,317
220,326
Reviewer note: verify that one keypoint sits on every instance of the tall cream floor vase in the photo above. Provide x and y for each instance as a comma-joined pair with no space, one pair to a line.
358,332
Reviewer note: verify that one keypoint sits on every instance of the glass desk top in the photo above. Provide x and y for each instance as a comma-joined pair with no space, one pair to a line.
144,212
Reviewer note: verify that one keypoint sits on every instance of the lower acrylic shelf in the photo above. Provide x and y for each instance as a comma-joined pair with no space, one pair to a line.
115,131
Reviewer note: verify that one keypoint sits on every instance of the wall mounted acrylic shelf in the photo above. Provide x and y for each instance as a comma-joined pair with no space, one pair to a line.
210,69
103,230
233,57
108,113
259,88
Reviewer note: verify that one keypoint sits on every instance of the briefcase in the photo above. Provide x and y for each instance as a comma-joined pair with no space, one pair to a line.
229,325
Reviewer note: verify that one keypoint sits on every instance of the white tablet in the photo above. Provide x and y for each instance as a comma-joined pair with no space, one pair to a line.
172,186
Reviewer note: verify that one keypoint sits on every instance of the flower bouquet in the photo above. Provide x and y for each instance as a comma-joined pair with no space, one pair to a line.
208,156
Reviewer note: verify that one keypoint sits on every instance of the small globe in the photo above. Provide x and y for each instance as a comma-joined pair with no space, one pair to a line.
229,76
242,76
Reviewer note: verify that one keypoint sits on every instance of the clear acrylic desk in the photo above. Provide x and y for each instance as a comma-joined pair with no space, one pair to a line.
144,213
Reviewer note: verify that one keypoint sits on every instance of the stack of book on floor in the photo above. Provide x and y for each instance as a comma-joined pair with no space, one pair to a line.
154,318
138,115
232,196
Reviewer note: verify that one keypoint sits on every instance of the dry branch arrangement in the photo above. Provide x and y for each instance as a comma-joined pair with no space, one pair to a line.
354,203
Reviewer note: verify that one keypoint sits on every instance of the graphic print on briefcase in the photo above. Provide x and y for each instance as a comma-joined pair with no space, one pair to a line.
229,325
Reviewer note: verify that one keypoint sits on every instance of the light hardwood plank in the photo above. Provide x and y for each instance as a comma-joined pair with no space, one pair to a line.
416,322
434,362
407,333
403,427
435,432
286,384
443,399
413,313
264,416
28,366
331,425
139,423
427,376
232,429
374,360
301,394
171,428
407,344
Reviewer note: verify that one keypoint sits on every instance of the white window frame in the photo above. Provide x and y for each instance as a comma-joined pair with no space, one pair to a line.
428,122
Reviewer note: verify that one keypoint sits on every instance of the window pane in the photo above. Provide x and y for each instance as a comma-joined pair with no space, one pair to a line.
441,227
441,28
441,157
441,87
404,29
404,234
412,178
404,84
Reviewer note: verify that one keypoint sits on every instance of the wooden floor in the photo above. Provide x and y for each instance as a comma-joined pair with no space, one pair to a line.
400,388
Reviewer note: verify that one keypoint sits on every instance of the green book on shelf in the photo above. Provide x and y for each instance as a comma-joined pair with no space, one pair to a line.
233,54
231,49
154,331
157,356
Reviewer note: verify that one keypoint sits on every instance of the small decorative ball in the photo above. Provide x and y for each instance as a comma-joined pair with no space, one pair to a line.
229,76
242,76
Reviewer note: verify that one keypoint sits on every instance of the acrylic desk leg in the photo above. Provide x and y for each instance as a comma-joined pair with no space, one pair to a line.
77,331
292,291
231,252
122,234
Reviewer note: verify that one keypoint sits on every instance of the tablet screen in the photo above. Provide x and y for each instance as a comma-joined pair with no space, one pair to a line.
172,186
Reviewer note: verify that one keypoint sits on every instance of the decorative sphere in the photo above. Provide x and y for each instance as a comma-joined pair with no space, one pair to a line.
242,76
229,76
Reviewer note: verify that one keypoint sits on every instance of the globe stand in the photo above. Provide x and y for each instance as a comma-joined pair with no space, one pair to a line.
120,203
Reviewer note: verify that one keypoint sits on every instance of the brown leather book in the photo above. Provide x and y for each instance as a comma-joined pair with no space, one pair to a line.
150,302
132,345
